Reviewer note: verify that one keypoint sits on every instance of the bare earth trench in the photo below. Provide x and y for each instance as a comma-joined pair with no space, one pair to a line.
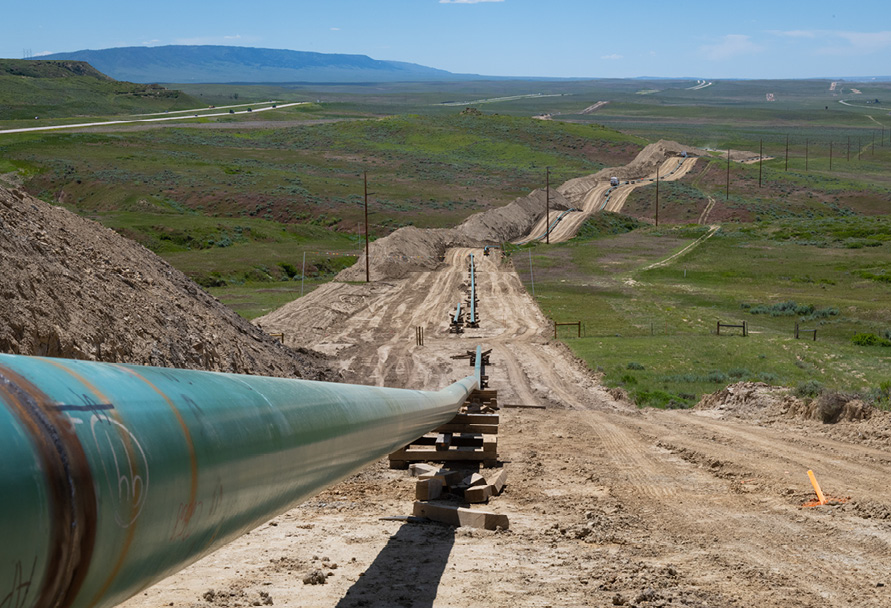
608,505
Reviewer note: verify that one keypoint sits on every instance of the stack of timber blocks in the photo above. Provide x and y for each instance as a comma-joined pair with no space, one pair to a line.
434,482
470,437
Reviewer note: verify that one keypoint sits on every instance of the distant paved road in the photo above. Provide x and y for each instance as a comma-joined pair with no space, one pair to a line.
137,120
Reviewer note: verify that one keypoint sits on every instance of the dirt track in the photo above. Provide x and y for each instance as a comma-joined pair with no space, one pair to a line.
595,200
608,505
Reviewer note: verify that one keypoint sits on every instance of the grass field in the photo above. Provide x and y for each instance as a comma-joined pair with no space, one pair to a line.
175,189
653,331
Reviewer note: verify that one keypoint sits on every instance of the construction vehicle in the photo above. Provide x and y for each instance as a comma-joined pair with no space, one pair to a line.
614,181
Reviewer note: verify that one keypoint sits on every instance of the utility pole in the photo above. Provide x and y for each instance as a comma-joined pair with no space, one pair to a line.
547,205
367,268
787,152
657,195
727,195
531,276
760,161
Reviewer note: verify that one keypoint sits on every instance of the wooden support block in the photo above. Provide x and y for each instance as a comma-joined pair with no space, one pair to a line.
420,468
523,406
455,454
458,440
490,443
499,480
479,494
398,464
428,489
474,479
474,419
448,478
491,429
443,441
483,493
459,516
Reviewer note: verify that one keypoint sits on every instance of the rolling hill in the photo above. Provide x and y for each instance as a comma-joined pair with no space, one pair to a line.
50,88
231,64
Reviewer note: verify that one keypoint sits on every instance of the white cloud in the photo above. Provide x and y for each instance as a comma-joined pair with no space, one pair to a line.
795,33
235,37
840,42
466,1
152,42
612,57
42,53
335,29
860,43
732,45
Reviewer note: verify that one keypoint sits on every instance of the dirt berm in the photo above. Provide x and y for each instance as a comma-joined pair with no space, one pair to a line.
643,164
72,288
409,249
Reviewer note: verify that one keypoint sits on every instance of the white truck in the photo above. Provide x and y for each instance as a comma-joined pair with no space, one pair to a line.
614,181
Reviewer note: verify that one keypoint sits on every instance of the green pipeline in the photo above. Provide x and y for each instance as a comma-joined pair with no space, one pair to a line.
113,477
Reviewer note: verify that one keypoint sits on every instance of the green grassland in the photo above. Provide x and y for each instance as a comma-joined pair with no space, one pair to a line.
65,89
653,331
426,171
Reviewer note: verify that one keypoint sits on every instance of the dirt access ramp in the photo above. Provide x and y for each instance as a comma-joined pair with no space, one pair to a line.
72,288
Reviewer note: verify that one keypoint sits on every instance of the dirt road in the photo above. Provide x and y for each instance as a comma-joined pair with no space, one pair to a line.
603,197
608,505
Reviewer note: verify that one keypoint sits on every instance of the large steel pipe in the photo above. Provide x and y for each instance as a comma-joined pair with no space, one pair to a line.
115,476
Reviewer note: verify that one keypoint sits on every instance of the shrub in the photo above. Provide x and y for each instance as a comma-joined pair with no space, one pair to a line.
809,388
657,398
717,377
866,339
628,379
289,269
636,366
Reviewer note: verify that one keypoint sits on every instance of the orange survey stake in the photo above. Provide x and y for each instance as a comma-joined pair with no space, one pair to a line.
820,497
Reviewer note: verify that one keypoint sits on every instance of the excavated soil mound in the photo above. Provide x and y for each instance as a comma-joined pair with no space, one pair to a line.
757,400
511,221
72,288
748,400
410,249
830,408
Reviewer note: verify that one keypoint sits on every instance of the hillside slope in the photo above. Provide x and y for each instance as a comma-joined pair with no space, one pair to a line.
182,63
72,288
55,89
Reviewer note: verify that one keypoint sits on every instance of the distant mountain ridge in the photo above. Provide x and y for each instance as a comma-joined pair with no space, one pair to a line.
236,64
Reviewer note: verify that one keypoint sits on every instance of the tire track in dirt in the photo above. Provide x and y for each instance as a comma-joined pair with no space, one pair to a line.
763,534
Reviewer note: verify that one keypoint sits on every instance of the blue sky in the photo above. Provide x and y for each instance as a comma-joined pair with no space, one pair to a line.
559,38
